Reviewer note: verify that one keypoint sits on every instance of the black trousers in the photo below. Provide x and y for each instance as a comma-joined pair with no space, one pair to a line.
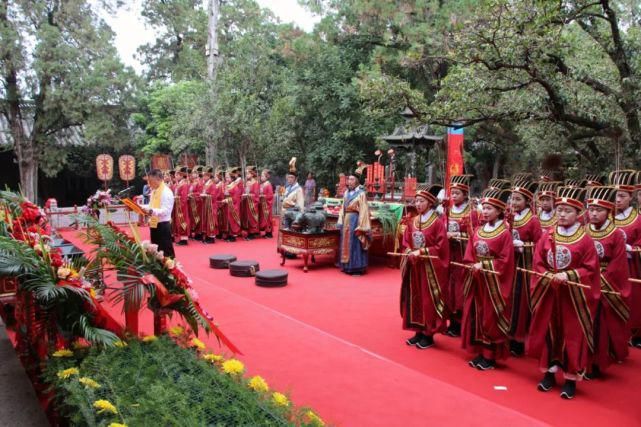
161,236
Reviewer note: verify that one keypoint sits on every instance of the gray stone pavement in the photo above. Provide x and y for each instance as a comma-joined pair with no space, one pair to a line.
19,405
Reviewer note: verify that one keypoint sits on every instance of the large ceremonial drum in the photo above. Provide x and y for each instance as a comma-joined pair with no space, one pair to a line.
243,268
221,261
271,278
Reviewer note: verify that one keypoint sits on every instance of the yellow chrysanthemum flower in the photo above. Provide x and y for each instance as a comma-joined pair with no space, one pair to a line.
213,358
117,425
176,331
120,343
233,367
68,373
149,338
314,419
196,343
63,353
257,383
280,399
88,382
104,406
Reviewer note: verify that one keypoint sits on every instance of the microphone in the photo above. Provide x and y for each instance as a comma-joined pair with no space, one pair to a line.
126,190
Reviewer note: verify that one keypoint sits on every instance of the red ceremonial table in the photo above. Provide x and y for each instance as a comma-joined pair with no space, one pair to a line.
307,244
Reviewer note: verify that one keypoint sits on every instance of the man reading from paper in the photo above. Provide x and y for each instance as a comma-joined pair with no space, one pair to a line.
161,203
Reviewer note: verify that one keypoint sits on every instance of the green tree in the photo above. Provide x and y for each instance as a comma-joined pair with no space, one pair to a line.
59,70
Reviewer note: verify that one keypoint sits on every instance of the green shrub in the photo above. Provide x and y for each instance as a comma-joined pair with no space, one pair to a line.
159,384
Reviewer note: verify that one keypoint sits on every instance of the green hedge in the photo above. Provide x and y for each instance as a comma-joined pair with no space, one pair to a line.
158,384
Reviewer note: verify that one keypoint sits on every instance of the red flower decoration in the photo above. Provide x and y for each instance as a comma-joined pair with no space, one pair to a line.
56,257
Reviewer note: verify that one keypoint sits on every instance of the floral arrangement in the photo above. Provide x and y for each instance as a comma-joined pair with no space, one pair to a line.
55,301
101,199
144,270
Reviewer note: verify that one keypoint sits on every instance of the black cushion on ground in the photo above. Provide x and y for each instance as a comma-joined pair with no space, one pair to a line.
243,268
221,261
271,278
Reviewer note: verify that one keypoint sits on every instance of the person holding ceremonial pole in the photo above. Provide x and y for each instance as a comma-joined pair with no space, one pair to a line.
233,196
209,207
266,204
424,272
613,312
628,220
564,290
294,196
526,232
251,204
180,220
461,219
487,288
354,225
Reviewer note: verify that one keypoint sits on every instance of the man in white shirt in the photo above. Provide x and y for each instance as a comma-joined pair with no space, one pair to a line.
161,203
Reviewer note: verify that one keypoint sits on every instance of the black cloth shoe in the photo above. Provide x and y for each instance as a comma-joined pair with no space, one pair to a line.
250,237
547,382
594,373
231,239
517,348
425,342
269,235
414,339
569,390
635,342
454,330
210,240
474,362
182,243
486,364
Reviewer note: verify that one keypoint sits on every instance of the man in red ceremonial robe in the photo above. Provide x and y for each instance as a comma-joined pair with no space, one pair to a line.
486,310
180,214
564,289
461,219
195,203
209,207
526,231
424,280
266,204
251,198
612,314
233,195
628,220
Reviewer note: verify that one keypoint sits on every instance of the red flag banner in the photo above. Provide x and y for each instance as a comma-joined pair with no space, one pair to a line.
454,164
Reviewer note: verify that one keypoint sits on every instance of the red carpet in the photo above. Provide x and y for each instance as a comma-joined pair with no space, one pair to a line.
335,343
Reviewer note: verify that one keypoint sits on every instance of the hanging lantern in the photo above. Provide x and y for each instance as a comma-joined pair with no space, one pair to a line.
127,167
105,167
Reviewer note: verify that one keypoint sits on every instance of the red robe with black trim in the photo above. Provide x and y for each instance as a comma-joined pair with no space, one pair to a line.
612,314
424,281
233,199
631,227
209,209
180,214
251,198
463,222
562,315
528,230
195,205
266,206
486,312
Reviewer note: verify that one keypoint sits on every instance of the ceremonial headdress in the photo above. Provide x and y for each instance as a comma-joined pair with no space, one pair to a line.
461,182
594,180
548,189
208,170
578,183
602,196
546,176
172,172
292,167
252,170
496,197
234,170
360,168
184,170
521,176
624,180
525,188
571,196
431,193
499,184
197,169
638,180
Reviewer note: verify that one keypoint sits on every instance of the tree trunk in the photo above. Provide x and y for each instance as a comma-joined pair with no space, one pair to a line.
213,55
